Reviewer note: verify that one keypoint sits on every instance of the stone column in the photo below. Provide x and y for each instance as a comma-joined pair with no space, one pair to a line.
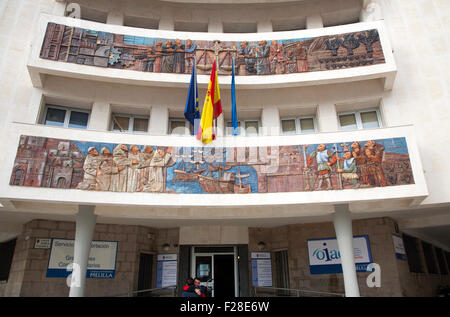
100,116
371,11
115,17
215,25
84,232
220,125
270,121
314,22
59,7
264,26
159,120
327,118
343,226
166,21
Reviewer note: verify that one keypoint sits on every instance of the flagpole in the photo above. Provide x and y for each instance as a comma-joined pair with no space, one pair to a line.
195,91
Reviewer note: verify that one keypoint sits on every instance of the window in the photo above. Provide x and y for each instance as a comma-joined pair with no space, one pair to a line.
282,272
190,26
298,125
7,251
66,117
239,27
364,119
93,15
441,261
413,254
245,127
229,128
180,127
141,22
129,123
289,25
429,258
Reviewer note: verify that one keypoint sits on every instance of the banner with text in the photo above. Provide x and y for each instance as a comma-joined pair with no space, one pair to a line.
101,263
166,270
261,269
325,258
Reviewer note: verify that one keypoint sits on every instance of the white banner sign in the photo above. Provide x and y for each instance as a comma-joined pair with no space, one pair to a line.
101,263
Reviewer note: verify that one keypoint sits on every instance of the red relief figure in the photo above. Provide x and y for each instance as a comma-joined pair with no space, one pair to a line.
374,153
158,58
276,57
361,164
325,159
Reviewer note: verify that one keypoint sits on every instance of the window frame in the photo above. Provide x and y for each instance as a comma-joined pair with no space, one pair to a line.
241,127
359,124
298,128
187,125
66,116
130,123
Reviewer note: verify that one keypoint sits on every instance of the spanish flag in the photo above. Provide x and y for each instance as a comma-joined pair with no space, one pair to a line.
212,108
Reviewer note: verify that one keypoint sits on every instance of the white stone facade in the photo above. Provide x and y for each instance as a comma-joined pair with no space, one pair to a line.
410,91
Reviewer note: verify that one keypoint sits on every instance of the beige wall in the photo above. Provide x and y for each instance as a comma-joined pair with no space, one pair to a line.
28,269
396,280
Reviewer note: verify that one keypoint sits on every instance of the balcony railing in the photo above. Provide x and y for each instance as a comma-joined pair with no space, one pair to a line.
83,49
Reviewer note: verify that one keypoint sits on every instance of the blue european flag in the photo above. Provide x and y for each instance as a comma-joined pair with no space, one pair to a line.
234,120
191,111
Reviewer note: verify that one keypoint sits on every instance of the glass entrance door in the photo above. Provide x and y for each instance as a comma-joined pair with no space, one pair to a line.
216,269
204,271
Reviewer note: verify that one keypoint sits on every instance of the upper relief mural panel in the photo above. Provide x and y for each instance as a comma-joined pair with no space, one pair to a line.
264,57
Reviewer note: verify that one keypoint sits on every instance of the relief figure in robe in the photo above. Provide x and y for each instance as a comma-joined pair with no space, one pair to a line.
189,53
158,58
168,59
262,52
300,57
134,158
374,153
156,181
277,59
120,159
105,170
144,167
90,167
178,60
361,164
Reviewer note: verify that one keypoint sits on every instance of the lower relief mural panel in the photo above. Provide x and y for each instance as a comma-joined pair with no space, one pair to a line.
56,163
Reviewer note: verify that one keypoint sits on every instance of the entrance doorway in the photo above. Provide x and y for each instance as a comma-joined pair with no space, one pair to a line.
216,267
145,273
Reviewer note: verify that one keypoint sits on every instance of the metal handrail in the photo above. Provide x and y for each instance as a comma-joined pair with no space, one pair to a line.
298,291
131,293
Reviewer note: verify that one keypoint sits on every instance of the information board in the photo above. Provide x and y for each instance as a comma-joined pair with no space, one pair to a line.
101,262
166,270
261,269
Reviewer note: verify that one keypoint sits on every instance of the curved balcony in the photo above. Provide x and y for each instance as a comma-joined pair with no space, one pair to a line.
47,165
87,50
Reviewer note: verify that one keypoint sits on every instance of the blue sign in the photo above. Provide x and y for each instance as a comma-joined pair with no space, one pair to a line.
325,258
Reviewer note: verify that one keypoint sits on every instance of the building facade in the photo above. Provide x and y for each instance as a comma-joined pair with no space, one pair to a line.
334,185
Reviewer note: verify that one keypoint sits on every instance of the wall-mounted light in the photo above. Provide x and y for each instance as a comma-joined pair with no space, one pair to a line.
261,245
166,246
